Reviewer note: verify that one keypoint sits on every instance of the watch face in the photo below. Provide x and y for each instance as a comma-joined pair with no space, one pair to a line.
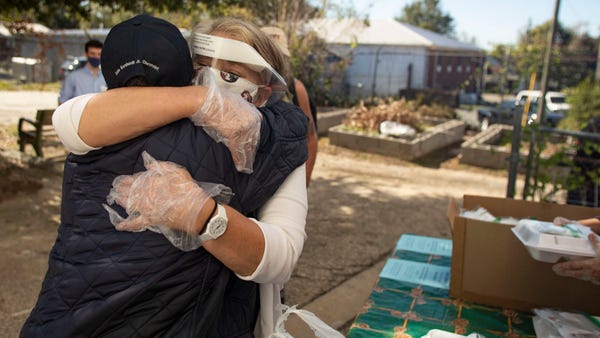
218,227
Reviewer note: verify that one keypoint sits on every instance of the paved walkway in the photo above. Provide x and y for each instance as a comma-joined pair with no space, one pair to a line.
16,104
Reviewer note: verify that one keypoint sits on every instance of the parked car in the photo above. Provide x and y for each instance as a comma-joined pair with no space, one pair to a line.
502,113
555,101
505,111
70,64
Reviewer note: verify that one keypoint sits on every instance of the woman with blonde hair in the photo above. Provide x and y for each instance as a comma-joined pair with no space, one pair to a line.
235,59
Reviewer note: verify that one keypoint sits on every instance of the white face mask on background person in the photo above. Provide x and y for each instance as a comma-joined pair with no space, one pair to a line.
235,84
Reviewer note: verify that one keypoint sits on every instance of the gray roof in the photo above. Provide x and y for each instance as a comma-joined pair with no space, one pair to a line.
83,32
383,32
101,32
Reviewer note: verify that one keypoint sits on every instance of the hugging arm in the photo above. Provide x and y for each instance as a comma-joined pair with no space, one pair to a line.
89,122
123,113
264,250
92,121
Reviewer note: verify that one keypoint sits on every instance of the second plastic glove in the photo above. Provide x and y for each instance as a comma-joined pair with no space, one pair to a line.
164,199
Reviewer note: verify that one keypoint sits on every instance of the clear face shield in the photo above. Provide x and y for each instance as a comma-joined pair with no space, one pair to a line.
236,66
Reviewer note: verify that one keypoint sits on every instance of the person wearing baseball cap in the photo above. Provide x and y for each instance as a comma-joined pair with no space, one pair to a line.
101,281
146,47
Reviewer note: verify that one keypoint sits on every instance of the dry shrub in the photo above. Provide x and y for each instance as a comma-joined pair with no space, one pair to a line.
407,112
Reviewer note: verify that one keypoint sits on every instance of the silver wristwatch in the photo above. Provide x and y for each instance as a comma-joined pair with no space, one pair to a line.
216,226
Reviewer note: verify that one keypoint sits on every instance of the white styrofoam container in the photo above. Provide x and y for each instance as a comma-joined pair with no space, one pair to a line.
549,247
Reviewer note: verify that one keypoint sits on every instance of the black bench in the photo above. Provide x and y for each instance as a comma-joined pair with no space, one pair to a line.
34,132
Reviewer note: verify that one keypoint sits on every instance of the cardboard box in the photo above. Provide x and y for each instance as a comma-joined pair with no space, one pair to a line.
491,266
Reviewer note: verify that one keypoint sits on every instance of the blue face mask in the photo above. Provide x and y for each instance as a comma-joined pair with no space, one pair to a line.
94,62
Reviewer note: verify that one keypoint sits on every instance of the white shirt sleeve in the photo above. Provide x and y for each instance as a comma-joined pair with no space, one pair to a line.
282,221
66,123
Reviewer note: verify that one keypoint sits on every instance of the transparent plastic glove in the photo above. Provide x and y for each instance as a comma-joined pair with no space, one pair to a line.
230,119
164,199
560,221
585,269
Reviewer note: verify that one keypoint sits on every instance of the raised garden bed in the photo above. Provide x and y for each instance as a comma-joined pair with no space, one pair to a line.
328,119
491,149
441,134
486,149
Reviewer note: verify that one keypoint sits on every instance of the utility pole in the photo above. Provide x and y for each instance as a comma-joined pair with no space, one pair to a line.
598,65
533,166
547,56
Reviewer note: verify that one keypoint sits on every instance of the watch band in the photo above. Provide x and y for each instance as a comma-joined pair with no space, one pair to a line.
210,216
217,225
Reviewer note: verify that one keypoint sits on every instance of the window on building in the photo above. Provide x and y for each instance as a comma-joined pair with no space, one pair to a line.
438,68
449,68
459,68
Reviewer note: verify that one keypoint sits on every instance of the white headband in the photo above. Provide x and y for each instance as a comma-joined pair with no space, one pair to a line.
237,51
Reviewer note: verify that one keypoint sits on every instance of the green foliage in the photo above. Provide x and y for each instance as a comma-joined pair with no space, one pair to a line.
310,60
428,15
76,13
585,104
548,174
309,54
573,55
531,47
568,166
309,64
285,13
505,54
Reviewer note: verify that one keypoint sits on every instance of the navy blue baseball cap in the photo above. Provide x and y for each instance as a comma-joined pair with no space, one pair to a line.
146,46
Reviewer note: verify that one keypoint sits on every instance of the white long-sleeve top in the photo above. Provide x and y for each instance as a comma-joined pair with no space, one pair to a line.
282,220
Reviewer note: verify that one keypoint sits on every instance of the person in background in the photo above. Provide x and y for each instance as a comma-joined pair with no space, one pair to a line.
87,79
300,98
585,269
102,282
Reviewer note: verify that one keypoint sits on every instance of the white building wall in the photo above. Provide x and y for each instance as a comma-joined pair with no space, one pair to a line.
384,70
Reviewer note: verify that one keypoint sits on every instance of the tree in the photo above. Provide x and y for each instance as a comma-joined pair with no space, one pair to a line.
310,60
428,15
308,53
501,72
573,55
585,104
72,13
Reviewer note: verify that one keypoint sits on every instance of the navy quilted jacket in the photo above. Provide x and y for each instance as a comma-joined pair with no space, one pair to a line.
105,283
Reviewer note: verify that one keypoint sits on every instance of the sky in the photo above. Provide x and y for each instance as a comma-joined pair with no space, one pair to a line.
493,22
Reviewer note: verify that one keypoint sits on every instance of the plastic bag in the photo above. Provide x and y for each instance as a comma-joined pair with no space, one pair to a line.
435,333
552,323
319,327
391,128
